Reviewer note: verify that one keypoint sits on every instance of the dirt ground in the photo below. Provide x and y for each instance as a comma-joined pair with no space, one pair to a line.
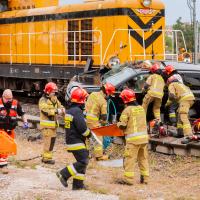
172,177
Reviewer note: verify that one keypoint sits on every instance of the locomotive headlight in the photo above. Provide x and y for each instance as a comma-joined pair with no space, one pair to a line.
146,3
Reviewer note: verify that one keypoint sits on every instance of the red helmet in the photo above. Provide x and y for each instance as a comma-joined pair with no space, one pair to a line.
169,69
196,126
50,87
127,95
79,95
154,68
109,88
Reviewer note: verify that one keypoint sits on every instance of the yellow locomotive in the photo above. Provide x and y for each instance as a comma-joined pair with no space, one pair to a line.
40,39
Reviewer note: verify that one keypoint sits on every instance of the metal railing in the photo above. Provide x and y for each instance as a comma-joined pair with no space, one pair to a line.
173,54
102,56
50,47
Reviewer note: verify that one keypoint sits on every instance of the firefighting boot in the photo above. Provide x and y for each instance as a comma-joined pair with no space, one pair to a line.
179,133
123,181
189,139
186,140
47,158
78,185
143,179
63,176
62,179
48,161
104,157
4,169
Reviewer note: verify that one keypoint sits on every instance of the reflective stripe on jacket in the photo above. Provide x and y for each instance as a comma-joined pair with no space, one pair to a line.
136,136
48,111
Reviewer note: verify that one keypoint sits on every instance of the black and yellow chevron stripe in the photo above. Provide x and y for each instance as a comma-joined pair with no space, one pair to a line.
139,24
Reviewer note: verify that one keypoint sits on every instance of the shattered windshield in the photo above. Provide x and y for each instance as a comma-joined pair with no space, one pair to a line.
122,76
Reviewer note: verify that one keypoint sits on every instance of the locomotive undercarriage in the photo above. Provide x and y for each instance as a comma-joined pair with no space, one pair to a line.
31,79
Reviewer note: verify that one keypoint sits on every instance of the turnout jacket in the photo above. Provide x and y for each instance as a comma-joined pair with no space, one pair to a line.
48,112
133,123
179,92
75,128
96,109
155,85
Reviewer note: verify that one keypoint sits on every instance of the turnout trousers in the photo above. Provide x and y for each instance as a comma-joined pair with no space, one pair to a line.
49,138
156,105
132,154
183,120
77,170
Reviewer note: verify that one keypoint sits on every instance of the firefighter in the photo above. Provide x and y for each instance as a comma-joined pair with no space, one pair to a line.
171,71
76,134
133,123
154,86
50,107
183,95
96,113
9,109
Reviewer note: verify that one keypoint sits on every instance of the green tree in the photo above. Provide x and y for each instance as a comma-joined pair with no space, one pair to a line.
188,33
168,42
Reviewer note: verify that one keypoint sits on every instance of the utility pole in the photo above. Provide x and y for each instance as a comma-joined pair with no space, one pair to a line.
195,27
195,33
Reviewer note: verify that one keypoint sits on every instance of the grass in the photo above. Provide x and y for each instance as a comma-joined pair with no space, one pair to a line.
99,190
183,198
17,163
127,197
38,198
21,164
33,166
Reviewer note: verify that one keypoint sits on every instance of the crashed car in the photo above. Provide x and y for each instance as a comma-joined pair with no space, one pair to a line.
128,75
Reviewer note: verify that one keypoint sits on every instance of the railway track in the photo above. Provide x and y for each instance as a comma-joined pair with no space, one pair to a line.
165,145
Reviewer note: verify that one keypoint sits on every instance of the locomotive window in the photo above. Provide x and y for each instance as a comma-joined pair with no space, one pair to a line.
3,5
83,39
86,38
73,26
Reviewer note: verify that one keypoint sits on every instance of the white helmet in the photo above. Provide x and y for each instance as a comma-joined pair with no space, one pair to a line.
70,88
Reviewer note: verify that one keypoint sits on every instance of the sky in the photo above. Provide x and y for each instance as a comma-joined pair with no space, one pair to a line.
174,9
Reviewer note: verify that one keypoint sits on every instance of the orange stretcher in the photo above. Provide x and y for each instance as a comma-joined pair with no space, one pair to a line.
109,130
7,144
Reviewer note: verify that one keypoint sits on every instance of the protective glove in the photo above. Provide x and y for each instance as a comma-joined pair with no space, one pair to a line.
25,125
60,111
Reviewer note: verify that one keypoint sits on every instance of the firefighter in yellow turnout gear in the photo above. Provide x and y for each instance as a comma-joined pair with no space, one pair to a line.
154,87
49,107
96,113
133,123
185,98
